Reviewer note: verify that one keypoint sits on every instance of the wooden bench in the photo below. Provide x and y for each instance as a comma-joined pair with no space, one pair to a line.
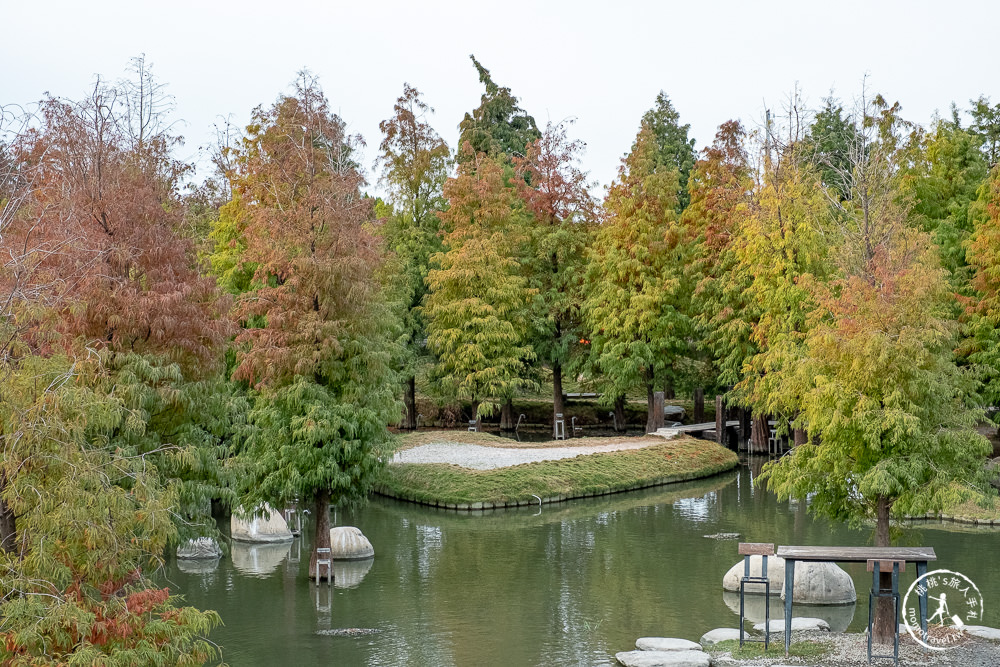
793,554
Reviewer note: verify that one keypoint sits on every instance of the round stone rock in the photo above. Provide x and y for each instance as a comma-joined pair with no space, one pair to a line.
983,632
665,644
270,527
713,637
822,583
201,548
348,543
798,624
664,659
775,572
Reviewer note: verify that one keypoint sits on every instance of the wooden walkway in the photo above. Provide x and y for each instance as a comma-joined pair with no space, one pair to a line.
671,431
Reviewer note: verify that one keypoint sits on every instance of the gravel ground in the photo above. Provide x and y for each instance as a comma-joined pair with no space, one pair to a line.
478,457
851,650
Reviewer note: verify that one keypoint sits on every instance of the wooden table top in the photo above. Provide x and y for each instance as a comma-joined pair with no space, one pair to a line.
858,554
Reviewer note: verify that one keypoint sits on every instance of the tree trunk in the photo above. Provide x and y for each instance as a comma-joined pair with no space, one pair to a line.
8,523
507,416
410,400
759,433
558,408
650,407
475,415
699,406
668,391
620,414
322,536
799,437
656,413
884,628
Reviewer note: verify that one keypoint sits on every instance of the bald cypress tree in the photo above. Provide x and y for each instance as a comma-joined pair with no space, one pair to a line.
674,149
634,300
479,306
498,126
316,339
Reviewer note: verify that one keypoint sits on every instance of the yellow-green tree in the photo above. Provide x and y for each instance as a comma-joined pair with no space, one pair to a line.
415,163
562,225
634,304
479,307
982,309
889,414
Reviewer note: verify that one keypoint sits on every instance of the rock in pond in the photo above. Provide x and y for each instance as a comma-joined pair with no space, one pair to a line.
665,644
775,572
270,527
822,583
348,543
713,637
724,536
201,548
798,625
664,659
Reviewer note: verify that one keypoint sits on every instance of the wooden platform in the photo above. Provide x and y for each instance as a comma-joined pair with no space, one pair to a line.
671,431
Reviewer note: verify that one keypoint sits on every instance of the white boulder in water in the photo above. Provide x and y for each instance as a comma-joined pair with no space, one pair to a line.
270,527
201,548
775,573
822,583
348,543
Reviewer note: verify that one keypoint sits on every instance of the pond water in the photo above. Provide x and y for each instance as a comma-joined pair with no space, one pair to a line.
572,583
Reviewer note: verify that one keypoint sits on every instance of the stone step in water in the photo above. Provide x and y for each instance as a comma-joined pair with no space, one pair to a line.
664,659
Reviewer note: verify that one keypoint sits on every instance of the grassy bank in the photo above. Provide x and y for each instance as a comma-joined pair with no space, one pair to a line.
451,486
753,651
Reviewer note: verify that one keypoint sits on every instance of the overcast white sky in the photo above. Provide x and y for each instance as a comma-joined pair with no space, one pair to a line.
600,62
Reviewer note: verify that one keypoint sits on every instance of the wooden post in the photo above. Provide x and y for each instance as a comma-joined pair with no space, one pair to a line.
720,420
744,428
658,404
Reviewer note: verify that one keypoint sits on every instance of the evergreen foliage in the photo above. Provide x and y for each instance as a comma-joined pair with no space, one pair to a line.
498,127
479,306
317,343
635,298
674,150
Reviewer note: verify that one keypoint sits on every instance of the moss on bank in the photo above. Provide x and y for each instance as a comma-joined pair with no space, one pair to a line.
446,485
752,651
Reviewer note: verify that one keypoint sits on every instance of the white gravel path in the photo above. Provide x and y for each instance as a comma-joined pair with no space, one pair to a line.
478,457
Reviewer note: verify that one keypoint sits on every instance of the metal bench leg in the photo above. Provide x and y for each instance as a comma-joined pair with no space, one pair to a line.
877,592
763,579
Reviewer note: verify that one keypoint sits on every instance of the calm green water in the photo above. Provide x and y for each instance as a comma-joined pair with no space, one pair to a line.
570,585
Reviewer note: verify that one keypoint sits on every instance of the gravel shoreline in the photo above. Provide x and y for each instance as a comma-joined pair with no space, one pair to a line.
479,457
851,650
